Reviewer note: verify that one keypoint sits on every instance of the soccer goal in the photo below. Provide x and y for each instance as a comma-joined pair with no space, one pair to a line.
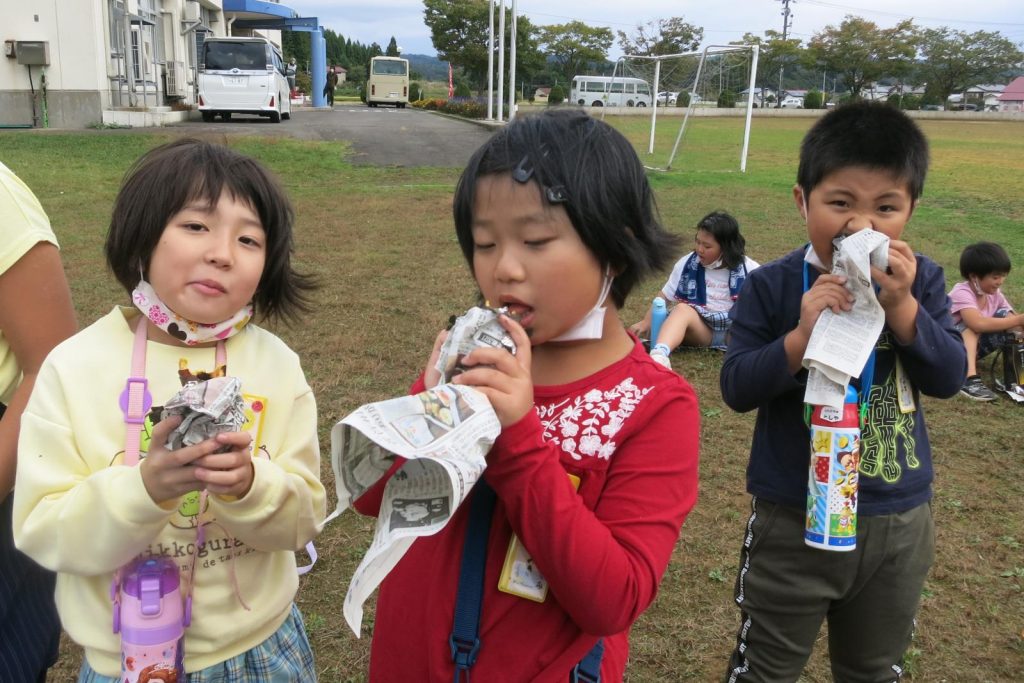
693,83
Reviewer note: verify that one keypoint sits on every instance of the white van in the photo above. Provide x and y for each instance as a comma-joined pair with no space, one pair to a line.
242,76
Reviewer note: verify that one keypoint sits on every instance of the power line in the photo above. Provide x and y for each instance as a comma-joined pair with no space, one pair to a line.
833,5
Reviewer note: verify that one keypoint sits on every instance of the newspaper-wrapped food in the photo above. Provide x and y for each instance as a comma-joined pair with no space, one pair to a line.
207,408
477,327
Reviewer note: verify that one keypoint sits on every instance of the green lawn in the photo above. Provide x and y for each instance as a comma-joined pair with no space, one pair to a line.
392,274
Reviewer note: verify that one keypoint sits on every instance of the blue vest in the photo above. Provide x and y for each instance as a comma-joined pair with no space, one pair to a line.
691,288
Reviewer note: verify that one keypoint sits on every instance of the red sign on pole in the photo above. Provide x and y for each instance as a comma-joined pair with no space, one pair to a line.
451,87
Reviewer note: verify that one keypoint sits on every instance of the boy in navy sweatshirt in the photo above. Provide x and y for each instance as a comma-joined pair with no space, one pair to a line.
862,166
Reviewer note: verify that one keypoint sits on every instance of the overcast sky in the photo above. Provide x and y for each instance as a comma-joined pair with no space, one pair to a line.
722,20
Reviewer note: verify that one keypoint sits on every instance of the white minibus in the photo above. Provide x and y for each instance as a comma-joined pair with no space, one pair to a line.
610,91
242,76
388,82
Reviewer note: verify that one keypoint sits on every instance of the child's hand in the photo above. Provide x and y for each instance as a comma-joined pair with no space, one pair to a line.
505,379
227,473
431,376
640,329
168,475
894,284
828,291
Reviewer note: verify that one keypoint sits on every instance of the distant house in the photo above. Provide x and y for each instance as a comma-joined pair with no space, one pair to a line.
541,95
986,96
762,97
342,73
1012,97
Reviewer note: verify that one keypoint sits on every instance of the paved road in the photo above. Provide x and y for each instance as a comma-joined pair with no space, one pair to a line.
381,136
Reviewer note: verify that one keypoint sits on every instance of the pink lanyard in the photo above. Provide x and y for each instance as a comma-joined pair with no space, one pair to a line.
135,402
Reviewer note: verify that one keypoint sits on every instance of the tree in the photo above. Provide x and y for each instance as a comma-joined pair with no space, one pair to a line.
392,50
862,53
575,45
458,30
952,61
773,54
662,37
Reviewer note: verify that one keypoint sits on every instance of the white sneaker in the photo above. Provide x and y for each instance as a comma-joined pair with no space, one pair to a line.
661,359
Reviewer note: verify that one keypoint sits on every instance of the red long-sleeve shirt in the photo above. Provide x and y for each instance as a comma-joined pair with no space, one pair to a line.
630,433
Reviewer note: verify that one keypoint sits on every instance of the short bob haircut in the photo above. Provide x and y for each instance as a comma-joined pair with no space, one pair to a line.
867,134
169,177
726,232
591,170
983,258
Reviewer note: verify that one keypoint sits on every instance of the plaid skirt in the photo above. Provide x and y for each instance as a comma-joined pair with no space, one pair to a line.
719,323
284,657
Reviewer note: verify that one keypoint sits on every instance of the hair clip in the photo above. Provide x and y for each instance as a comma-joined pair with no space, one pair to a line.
522,172
556,194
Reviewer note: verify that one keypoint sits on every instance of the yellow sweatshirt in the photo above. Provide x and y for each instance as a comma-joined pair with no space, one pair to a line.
81,513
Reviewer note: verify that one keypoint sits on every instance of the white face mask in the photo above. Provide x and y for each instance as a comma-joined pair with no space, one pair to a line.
592,324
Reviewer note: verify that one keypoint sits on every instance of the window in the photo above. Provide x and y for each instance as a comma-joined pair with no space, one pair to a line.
383,67
224,56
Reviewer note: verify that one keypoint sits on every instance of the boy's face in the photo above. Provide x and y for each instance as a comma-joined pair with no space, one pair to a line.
852,199
990,284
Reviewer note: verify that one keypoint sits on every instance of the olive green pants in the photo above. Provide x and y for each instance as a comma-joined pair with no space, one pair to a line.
869,596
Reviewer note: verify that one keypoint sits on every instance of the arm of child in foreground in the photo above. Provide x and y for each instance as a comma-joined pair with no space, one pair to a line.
934,359
68,516
35,315
603,565
770,330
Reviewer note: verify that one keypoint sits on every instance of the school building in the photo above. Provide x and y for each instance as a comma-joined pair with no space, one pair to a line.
77,63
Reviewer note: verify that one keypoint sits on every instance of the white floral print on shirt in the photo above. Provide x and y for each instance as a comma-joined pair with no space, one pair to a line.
587,425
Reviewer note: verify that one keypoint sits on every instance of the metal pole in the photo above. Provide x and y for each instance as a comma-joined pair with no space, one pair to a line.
512,67
490,60
750,109
501,60
654,109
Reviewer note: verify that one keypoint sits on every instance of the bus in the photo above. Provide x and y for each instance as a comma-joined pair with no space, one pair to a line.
610,91
242,76
388,82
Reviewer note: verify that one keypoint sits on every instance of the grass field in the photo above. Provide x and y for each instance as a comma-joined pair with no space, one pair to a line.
392,274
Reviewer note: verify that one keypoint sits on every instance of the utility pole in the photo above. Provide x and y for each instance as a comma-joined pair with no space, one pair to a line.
787,21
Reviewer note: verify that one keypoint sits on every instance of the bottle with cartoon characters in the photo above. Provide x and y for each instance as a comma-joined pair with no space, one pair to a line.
150,617
831,522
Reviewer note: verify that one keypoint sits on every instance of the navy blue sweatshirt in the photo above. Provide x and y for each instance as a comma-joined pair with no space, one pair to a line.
896,463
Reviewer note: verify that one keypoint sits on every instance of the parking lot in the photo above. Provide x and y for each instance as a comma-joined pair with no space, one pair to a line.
381,136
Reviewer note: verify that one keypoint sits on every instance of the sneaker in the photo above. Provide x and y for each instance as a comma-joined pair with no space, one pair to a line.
660,356
976,390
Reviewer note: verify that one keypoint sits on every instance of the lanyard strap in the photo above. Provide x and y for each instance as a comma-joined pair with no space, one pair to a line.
135,402
465,636
866,379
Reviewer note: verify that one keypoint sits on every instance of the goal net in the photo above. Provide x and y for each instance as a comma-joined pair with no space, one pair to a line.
702,117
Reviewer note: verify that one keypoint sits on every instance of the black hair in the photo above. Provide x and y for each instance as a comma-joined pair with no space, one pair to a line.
868,134
167,178
983,258
590,169
726,231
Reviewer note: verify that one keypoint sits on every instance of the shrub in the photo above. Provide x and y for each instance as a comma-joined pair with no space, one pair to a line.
727,99
557,95
462,91
415,91
304,82
814,100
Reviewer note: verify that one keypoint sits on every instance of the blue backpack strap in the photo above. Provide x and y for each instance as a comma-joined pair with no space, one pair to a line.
464,639
589,668
465,636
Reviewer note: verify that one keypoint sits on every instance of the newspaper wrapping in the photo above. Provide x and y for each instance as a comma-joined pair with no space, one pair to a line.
443,433
207,408
841,343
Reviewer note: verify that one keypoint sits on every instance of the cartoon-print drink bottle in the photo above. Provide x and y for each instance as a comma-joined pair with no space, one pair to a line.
150,618
831,521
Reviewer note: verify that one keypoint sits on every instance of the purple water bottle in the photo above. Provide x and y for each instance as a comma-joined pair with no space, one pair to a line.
150,618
